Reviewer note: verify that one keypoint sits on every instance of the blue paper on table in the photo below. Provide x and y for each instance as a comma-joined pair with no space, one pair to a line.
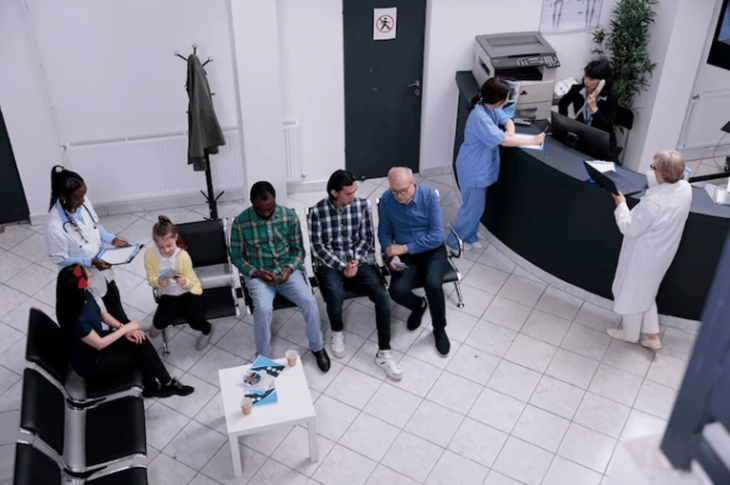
259,382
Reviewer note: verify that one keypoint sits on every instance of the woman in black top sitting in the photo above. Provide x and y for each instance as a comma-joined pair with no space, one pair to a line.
594,103
96,351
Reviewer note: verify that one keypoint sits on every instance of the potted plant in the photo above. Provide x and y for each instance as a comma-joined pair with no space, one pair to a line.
626,45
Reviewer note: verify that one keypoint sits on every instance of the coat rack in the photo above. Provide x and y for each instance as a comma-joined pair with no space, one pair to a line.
210,197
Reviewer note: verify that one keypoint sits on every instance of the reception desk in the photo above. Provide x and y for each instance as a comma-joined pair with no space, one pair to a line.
543,209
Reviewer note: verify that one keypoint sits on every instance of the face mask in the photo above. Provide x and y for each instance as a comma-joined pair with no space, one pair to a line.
651,178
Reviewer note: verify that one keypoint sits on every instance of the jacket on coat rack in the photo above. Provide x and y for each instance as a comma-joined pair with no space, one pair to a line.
204,132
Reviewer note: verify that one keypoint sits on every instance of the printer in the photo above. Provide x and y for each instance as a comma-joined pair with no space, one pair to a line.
523,57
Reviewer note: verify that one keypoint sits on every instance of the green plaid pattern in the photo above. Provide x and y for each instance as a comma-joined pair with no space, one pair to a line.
272,244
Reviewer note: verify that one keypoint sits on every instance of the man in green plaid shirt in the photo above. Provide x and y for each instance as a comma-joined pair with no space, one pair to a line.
266,247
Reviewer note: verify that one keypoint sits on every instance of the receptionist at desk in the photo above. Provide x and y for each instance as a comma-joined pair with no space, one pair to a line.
594,103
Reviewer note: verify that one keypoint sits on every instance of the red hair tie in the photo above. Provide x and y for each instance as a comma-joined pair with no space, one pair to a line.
82,281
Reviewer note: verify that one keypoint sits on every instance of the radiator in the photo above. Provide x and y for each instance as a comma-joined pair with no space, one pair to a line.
292,151
708,112
137,168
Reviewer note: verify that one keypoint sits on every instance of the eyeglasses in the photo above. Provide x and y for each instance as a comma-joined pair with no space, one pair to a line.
652,167
402,191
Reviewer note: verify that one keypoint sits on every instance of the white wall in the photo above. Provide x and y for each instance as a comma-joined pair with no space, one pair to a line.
25,108
678,52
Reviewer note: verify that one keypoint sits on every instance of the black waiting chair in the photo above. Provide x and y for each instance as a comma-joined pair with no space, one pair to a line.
111,433
45,352
207,243
33,467
452,274
350,292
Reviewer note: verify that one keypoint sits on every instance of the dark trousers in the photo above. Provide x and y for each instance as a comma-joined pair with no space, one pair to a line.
125,355
113,302
187,305
332,284
427,267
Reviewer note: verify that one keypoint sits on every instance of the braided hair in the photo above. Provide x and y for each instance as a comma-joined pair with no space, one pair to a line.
64,183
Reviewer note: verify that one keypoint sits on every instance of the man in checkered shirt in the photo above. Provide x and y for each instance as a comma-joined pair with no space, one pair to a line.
266,247
343,244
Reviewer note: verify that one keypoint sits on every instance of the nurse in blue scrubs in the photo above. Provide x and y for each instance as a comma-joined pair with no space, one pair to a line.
477,164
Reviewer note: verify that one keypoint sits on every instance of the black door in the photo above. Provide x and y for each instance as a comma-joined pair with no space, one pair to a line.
382,87
13,206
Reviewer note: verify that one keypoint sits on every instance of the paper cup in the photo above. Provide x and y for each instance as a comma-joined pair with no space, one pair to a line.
291,357
246,406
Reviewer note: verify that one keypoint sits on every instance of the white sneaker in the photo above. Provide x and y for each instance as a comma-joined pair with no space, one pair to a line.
338,344
385,360
477,245
620,334
467,246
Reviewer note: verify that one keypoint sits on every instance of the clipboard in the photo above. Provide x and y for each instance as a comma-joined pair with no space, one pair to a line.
609,181
119,255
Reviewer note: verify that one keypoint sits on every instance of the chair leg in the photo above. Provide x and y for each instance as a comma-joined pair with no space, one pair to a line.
458,295
165,349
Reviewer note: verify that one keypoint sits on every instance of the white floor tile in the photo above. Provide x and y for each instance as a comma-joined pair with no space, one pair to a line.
370,437
523,461
541,428
615,384
565,472
353,387
412,456
557,396
274,473
454,392
491,338
194,445
434,423
386,476
497,410
587,447
632,358
393,405
473,364
655,399
586,342
602,415
559,303
293,451
546,327
530,352
478,442
418,376
514,380
641,425
522,290
456,470
339,417
667,371
344,466
165,470
572,368
507,313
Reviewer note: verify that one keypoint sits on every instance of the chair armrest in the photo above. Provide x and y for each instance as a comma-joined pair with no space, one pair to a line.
451,252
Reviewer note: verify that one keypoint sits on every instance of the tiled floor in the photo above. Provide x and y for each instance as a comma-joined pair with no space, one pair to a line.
533,391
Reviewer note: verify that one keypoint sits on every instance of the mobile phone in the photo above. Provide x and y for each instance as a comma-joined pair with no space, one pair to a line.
398,264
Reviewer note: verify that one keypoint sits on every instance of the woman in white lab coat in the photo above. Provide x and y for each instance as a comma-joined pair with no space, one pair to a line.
75,236
652,231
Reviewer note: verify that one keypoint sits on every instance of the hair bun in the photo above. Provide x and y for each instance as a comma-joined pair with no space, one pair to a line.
162,219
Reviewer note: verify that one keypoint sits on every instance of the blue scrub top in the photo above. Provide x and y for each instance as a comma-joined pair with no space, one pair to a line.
477,164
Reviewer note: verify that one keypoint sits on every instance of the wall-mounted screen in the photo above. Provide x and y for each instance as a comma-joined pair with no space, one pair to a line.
720,49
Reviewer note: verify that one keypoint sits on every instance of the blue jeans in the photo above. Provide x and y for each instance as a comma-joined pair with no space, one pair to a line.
427,267
296,290
332,284
470,213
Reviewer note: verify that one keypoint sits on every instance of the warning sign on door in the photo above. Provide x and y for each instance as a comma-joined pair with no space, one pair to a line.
384,23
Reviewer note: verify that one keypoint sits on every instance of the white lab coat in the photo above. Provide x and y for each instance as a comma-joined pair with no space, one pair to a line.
652,231
64,241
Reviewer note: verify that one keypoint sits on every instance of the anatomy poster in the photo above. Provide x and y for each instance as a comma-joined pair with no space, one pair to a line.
570,15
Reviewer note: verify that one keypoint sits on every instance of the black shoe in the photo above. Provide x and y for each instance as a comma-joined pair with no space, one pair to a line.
323,360
414,319
442,342
176,388
151,391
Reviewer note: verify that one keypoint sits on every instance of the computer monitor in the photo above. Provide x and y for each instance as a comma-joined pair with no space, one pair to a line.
586,139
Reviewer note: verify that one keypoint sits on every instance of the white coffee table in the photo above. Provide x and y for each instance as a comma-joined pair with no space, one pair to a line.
294,406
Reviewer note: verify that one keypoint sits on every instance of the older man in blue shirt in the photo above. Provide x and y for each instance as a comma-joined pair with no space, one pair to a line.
411,230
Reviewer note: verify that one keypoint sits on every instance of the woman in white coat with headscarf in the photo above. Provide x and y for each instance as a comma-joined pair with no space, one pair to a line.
75,236
652,231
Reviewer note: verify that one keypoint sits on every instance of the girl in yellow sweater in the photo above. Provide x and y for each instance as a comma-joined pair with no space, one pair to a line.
170,271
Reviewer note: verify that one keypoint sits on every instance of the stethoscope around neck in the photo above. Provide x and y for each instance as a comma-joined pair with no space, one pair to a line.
70,220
